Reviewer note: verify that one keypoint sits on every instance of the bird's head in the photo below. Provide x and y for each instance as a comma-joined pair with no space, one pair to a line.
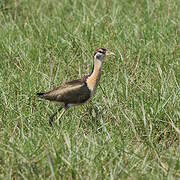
101,53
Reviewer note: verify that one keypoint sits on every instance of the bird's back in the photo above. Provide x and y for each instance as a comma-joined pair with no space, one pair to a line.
73,92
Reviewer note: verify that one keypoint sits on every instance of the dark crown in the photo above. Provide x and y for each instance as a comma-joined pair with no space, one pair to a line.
100,50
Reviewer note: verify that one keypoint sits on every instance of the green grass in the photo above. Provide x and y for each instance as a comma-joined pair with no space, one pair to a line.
130,129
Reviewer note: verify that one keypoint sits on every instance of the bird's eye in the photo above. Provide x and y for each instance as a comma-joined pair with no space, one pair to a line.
100,51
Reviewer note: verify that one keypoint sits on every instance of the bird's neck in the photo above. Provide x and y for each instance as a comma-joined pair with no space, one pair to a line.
94,77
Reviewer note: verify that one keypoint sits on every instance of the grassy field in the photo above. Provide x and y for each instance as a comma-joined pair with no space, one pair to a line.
130,129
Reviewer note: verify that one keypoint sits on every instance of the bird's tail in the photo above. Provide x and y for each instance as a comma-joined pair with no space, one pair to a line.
40,95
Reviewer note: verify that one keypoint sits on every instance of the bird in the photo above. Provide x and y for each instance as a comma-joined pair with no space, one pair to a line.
77,92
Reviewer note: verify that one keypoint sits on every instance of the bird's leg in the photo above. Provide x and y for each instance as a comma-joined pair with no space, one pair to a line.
52,116
59,117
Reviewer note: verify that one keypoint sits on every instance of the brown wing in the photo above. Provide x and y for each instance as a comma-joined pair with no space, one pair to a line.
73,92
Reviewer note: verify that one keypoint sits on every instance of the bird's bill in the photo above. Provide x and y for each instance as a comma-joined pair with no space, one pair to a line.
109,53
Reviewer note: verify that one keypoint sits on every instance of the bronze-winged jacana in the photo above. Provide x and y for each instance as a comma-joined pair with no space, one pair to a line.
78,91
